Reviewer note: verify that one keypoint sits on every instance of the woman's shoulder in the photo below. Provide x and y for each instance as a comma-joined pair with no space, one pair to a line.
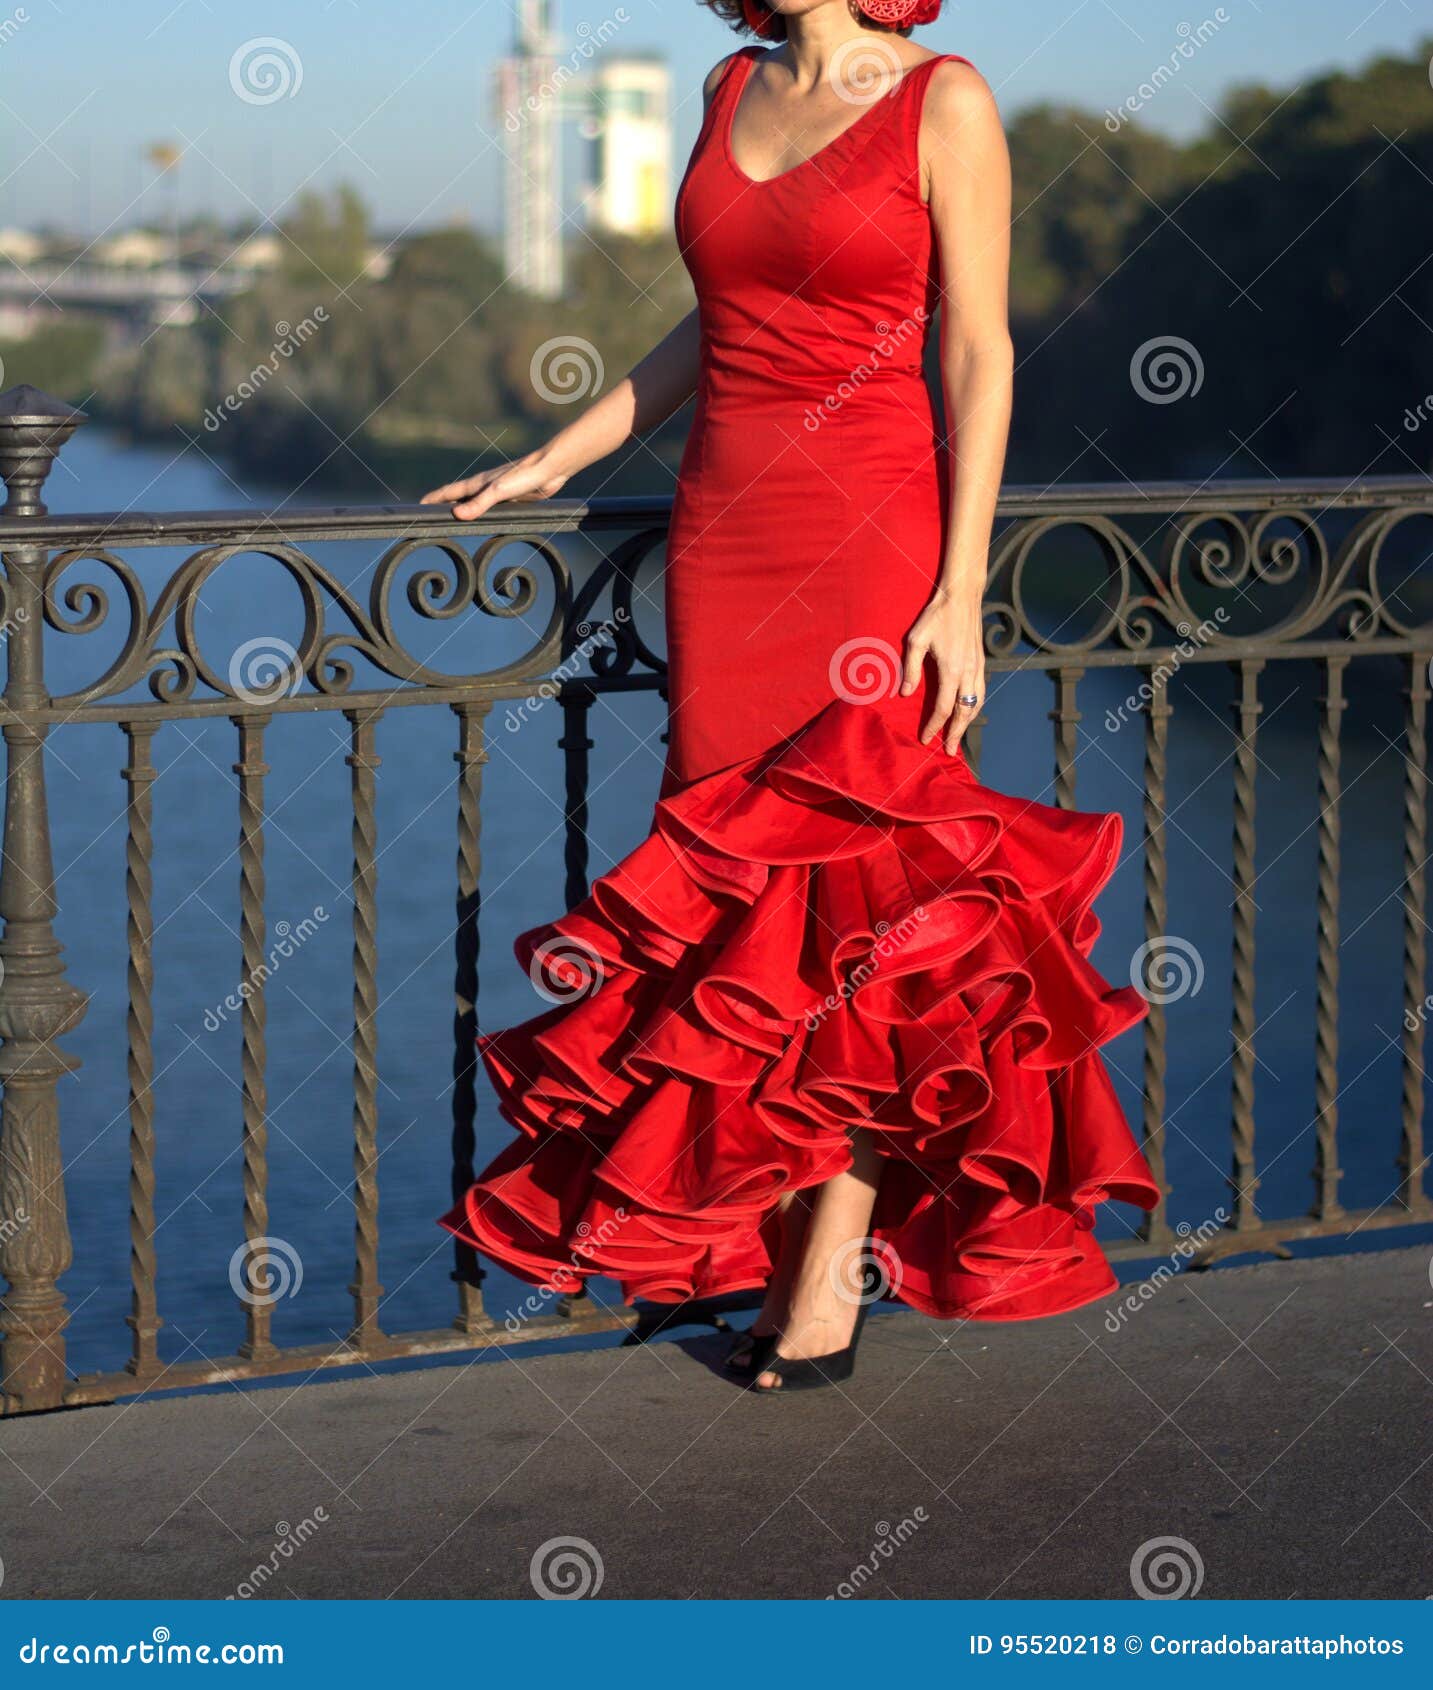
719,70
956,95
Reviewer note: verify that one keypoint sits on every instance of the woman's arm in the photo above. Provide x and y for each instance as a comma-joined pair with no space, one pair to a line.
659,386
968,168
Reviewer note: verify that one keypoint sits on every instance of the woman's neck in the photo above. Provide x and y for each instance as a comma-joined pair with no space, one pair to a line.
815,38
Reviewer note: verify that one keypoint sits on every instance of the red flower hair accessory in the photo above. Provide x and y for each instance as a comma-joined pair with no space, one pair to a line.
759,17
900,12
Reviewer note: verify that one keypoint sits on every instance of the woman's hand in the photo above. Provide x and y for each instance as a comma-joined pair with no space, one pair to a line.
524,481
950,633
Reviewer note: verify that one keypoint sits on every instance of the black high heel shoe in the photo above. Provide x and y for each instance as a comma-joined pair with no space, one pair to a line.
834,1369
750,1352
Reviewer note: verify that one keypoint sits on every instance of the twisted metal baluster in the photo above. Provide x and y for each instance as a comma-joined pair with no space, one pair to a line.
251,770
1155,1227
140,775
1066,717
1326,1171
575,746
471,757
366,1291
1245,1181
1411,1195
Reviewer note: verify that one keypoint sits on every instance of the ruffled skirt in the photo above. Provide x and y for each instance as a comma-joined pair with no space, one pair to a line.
848,932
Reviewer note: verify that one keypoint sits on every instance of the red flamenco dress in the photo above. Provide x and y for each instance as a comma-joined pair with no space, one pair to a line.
830,926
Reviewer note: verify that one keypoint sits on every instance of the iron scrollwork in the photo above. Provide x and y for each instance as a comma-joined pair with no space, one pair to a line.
1264,579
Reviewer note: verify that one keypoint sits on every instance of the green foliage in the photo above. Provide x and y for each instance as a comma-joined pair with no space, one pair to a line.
61,360
1079,190
1287,244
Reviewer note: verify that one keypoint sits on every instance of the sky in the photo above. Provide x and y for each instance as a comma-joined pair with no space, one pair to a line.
395,99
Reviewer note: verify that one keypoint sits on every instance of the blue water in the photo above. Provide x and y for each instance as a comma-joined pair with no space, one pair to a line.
197,952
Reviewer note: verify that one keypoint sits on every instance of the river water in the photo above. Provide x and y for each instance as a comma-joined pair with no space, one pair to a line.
198,966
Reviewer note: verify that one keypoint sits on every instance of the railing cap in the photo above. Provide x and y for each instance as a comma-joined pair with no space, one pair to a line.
34,427
24,406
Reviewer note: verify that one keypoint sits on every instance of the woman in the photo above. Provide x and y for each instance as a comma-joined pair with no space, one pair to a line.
843,1041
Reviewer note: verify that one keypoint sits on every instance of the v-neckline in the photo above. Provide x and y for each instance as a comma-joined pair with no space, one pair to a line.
781,175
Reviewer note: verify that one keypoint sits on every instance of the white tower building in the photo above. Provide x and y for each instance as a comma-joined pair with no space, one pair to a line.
631,126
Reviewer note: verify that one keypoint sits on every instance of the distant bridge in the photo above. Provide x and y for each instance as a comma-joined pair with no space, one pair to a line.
167,293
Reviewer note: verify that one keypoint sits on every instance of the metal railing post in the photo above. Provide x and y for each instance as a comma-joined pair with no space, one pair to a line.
37,1003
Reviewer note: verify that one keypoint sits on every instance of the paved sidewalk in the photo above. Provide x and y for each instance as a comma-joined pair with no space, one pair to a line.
1277,1418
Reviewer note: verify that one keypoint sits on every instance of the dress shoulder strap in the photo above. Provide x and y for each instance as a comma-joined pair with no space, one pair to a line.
735,69
912,109
734,72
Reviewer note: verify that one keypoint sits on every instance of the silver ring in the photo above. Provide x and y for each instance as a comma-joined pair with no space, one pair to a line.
970,698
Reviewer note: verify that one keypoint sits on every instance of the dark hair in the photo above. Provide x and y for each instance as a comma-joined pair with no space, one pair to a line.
731,12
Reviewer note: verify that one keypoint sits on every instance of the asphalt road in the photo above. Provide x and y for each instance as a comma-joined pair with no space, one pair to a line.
1277,1420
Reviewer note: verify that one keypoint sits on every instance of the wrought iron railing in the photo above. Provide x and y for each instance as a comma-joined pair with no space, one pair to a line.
1237,573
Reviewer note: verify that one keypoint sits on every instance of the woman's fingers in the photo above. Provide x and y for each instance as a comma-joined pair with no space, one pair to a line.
454,490
468,510
916,649
941,710
965,714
